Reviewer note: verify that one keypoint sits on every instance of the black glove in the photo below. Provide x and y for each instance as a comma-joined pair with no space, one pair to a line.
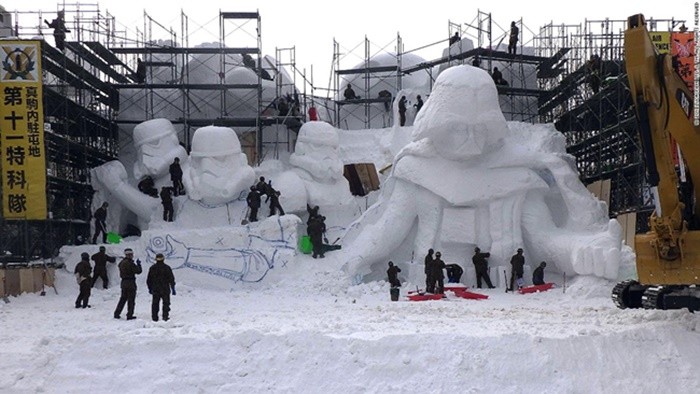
138,261
174,293
150,291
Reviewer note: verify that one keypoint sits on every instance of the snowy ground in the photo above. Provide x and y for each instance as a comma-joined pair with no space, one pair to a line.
313,332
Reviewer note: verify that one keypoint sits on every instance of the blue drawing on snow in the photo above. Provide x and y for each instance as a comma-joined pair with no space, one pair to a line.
244,264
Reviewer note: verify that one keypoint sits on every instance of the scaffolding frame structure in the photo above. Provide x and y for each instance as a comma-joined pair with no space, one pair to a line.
599,123
80,132
519,100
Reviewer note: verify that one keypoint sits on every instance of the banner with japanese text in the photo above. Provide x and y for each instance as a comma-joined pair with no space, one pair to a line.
683,55
22,154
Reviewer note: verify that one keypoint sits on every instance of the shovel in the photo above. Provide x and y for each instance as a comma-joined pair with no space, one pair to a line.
245,217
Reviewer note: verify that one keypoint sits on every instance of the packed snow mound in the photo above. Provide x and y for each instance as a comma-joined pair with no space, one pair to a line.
500,187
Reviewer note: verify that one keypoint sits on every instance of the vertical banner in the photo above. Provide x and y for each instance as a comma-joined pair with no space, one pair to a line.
683,55
22,131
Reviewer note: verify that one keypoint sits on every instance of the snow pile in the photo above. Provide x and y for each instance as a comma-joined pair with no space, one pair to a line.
310,332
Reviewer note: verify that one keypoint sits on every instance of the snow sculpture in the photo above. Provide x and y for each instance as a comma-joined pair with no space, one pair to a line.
469,180
219,171
156,146
316,161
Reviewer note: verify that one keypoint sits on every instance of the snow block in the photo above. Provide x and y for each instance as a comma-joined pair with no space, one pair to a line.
536,289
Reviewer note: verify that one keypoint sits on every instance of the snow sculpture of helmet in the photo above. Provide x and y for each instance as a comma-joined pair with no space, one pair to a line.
462,118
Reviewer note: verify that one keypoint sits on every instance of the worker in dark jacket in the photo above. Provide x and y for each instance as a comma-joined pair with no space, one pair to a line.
315,229
176,177
428,271
517,263
419,104
253,200
313,212
481,266
59,29
275,203
393,275
82,274
402,110
128,271
166,199
538,274
101,223
438,275
160,282
454,273
101,258
513,39
261,186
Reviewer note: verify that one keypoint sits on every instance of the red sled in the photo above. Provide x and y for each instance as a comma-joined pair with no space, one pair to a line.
535,289
424,297
469,295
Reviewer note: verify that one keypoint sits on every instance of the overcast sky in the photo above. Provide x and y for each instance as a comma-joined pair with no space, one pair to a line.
310,26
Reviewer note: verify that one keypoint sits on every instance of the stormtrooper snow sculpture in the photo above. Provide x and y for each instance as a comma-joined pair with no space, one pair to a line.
467,180
156,146
317,162
219,171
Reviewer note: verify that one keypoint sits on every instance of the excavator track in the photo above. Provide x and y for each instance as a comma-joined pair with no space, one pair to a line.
653,297
628,294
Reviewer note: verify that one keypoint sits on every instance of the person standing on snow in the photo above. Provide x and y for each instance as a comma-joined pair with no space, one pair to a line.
517,263
128,271
167,200
253,200
315,229
160,282
101,223
481,267
393,275
176,177
275,203
82,274
402,111
538,274
101,258
419,104
437,274
428,271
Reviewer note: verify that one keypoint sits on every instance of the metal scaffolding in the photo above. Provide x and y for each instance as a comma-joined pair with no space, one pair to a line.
591,105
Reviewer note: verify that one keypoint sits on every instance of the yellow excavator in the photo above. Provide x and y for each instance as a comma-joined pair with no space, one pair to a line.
668,256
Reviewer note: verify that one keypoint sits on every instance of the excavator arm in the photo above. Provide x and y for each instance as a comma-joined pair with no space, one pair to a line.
668,256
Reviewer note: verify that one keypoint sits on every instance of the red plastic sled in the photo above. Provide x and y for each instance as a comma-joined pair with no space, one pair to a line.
469,295
535,289
424,297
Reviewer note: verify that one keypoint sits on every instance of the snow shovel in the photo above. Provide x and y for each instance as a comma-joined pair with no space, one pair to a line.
245,217
4,289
